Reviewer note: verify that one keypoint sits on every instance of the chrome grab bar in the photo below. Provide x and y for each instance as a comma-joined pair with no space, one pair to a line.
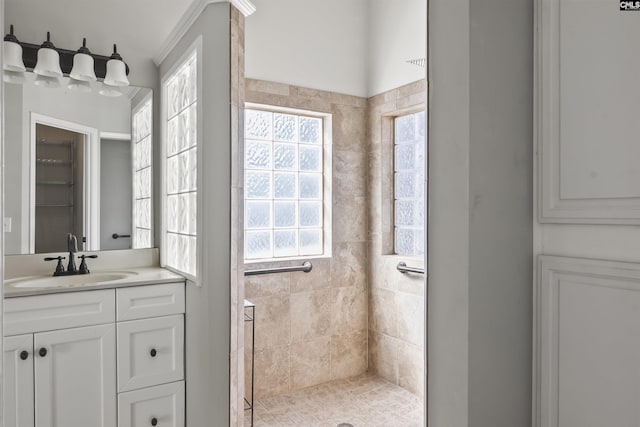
305,267
403,268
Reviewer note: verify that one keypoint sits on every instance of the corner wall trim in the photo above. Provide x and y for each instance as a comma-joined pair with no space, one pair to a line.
189,17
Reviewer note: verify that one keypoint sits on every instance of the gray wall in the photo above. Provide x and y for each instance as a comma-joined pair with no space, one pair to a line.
208,306
481,192
116,193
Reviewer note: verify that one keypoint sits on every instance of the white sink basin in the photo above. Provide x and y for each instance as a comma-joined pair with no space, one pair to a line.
68,281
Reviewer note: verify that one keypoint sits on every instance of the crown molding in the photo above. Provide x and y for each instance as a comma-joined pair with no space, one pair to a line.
190,16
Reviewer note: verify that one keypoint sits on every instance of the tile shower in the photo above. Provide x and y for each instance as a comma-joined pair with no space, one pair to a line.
354,314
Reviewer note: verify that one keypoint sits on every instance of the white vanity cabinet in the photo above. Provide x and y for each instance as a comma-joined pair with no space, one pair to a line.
81,359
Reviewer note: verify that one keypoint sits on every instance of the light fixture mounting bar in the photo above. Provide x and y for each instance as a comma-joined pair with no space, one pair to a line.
30,58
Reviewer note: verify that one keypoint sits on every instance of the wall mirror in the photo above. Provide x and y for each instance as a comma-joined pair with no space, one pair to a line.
77,162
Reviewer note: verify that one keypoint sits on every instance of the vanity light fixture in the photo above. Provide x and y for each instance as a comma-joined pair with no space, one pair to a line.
48,64
83,67
13,53
116,70
110,91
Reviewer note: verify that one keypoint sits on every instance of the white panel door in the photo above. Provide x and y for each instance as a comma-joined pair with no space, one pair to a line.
75,377
17,381
587,123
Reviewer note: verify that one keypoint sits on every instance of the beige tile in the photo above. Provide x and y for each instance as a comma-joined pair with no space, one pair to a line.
273,321
411,318
349,174
318,278
373,346
415,100
304,92
349,127
387,358
412,283
266,98
383,312
348,310
310,315
266,285
383,97
348,265
353,101
266,87
411,373
419,86
349,219
348,355
310,362
272,371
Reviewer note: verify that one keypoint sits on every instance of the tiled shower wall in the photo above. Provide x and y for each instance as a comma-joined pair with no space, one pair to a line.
396,301
312,327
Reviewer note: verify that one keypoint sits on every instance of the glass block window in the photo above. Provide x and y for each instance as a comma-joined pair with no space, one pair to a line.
409,160
141,128
283,185
180,175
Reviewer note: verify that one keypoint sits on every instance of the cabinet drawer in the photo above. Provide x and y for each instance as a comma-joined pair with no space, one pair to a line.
150,352
58,311
165,403
142,302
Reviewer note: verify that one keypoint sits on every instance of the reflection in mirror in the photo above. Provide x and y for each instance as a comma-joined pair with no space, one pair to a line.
77,162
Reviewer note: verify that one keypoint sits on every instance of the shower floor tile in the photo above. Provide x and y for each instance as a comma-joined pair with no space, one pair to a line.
363,401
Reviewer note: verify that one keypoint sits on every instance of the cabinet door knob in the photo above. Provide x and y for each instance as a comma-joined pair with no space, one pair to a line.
42,352
154,421
153,353
24,355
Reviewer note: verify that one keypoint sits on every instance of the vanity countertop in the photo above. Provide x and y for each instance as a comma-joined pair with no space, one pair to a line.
98,279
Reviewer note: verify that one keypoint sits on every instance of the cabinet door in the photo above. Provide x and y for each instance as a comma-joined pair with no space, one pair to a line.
17,381
161,406
75,377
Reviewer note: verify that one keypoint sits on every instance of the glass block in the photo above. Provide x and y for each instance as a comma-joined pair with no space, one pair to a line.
173,104
285,127
258,154
311,130
285,214
189,84
258,185
404,241
257,244
310,214
405,185
405,157
142,238
405,128
284,156
404,213
258,214
311,242
183,213
143,149
258,125
172,213
284,185
172,136
183,253
193,213
172,175
191,173
187,129
285,243
183,171
172,250
310,158
421,125
193,252
143,183
143,213
310,186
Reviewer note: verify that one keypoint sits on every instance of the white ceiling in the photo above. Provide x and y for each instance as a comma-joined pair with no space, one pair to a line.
138,27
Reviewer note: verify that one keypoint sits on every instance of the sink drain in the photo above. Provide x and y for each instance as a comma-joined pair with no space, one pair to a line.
345,425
